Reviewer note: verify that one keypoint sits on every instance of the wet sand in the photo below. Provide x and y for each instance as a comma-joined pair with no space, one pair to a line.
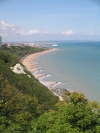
31,64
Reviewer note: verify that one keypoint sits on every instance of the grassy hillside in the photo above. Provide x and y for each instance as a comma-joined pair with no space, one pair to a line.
8,58
21,98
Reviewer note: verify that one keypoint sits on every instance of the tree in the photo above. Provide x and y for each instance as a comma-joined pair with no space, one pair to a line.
80,112
16,108
74,115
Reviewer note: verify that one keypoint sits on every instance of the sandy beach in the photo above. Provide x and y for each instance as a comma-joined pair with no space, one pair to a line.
31,65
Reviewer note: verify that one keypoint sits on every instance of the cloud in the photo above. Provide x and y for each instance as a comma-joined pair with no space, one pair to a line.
6,26
7,29
20,32
32,32
91,33
49,33
69,32
10,29
3,34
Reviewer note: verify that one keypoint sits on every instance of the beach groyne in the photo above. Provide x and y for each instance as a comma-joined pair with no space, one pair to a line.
30,62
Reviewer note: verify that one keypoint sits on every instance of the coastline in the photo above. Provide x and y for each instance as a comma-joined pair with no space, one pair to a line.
31,65
29,61
76,76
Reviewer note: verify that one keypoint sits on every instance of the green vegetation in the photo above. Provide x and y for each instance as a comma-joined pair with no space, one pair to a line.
74,115
22,99
26,106
19,52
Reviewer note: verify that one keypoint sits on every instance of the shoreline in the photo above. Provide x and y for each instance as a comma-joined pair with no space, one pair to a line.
30,62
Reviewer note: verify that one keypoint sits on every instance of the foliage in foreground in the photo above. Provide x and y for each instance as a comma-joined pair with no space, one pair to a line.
74,115
16,109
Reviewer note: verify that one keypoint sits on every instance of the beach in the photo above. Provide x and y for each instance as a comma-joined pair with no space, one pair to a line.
76,65
31,65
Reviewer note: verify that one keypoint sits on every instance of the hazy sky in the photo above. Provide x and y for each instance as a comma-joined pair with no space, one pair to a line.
40,20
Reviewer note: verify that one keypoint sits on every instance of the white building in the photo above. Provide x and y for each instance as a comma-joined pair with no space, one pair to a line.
0,41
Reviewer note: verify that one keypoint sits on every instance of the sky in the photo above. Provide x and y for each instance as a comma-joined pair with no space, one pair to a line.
44,20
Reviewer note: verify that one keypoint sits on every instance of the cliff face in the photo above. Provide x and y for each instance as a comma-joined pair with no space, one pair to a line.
18,69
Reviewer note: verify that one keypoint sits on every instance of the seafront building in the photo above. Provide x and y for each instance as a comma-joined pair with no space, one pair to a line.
0,41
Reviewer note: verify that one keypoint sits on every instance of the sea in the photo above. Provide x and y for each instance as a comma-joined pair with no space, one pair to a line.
75,66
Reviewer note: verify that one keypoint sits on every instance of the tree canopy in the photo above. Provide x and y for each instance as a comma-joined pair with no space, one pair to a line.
74,115
26,106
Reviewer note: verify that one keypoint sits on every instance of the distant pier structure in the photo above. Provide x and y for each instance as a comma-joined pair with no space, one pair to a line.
0,41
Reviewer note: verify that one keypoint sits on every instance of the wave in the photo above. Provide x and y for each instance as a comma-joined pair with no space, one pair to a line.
45,76
58,83
35,72
40,70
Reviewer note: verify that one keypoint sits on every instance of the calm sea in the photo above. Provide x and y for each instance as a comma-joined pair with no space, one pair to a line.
76,65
